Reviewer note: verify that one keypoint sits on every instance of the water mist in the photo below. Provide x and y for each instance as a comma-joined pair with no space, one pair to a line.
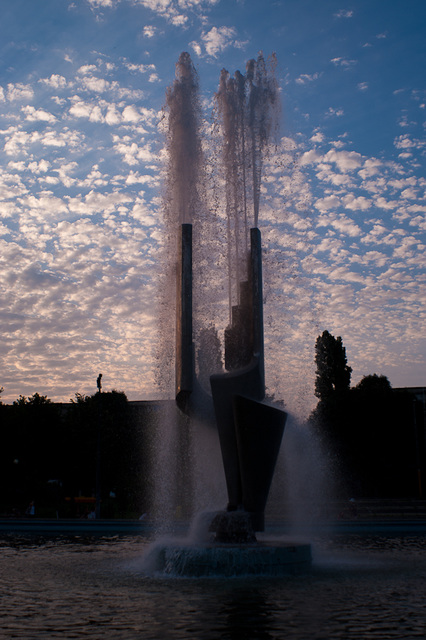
207,301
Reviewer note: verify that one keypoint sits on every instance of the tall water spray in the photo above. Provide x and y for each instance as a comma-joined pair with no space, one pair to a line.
172,450
184,143
248,109
246,116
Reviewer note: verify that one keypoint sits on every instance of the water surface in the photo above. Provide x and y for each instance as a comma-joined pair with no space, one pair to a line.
360,587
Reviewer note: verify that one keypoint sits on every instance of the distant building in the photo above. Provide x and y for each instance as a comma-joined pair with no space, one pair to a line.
418,418
419,392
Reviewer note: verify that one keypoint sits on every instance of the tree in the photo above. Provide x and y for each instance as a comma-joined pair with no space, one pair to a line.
333,373
330,417
374,384
49,454
371,436
30,451
102,449
35,400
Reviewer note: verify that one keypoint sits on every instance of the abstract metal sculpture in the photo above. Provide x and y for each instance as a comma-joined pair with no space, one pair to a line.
250,431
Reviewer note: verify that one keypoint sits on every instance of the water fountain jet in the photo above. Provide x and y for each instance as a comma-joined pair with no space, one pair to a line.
249,429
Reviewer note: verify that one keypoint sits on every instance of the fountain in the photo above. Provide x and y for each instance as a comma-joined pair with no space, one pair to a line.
249,429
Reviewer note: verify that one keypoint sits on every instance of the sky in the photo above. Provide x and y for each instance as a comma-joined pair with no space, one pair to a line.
82,161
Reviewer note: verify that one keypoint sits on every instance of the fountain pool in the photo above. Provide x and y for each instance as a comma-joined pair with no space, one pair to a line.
360,586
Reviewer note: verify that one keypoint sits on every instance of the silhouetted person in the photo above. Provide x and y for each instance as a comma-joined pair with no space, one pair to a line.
99,382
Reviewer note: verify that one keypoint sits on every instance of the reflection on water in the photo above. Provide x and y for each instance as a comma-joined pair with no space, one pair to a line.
359,587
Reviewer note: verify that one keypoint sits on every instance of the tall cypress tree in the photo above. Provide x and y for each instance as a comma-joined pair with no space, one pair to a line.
333,373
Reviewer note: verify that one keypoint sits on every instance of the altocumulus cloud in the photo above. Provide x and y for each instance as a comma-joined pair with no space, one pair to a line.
80,190
77,259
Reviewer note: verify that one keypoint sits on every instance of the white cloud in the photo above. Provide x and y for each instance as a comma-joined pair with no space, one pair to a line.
167,9
196,47
305,77
141,68
343,273
344,160
399,182
97,4
335,112
64,138
405,142
19,92
419,221
98,85
63,172
218,39
338,179
178,20
378,258
87,68
327,203
18,141
34,115
404,250
112,116
39,167
310,157
135,178
409,193
318,137
110,113
362,86
131,152
385,204
370,168
131,114
187,4
171,10
344,13
123,93
158,6
105,202
45,205
329,245
361,203
149,31
343,62
81,109
17,166
55,81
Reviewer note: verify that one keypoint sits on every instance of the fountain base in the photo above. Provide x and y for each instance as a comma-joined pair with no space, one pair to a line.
228,560
233,527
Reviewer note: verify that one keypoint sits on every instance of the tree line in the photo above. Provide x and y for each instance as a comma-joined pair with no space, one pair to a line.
65,458
373,435
59,455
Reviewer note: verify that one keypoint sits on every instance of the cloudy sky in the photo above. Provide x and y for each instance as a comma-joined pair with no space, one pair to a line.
82,90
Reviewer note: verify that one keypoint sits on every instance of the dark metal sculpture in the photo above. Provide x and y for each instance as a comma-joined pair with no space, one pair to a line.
184,345
250,430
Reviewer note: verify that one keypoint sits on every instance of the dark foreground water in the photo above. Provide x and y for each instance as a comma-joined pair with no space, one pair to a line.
360,587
